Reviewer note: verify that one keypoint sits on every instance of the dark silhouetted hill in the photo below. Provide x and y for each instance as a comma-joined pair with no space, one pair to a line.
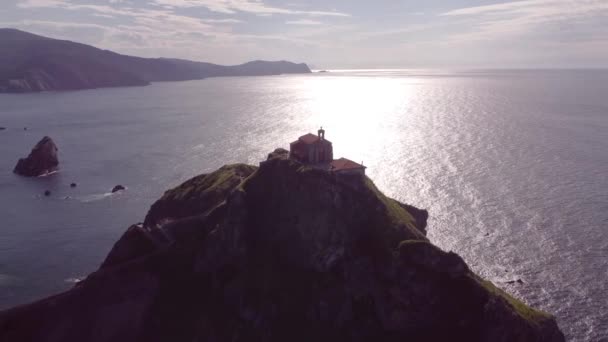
280,252
30,63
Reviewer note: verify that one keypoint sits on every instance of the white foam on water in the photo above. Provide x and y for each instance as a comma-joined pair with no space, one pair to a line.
73,280
94,197
48,174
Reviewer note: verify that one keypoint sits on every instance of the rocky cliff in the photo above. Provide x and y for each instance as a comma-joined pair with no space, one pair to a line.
30,63
281,252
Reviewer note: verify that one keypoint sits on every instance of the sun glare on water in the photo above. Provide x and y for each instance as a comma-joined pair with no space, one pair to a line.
362,115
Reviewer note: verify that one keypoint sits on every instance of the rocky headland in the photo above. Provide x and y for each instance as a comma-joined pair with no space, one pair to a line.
279,252
32,63
41,161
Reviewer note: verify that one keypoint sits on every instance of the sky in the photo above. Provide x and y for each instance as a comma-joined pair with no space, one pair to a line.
333,34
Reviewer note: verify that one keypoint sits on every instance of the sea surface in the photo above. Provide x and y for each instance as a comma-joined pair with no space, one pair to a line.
512,166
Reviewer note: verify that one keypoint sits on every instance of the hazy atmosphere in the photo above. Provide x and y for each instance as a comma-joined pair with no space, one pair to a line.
332,171
333,34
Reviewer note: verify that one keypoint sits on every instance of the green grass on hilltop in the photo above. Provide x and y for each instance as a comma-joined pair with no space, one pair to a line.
535,317
218,181
396,213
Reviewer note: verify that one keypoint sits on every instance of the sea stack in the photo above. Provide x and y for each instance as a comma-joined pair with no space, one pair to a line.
41,161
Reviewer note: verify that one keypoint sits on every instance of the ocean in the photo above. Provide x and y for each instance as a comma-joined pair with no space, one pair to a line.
511,164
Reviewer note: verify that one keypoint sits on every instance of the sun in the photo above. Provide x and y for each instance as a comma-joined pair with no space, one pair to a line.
359,112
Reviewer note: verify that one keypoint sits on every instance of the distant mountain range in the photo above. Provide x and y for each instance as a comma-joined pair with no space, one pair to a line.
32,63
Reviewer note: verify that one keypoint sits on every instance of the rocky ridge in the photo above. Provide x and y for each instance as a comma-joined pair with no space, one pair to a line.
280,252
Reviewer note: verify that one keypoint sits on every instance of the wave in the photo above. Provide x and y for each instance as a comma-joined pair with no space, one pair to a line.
73,280
48,174
99,197
94,197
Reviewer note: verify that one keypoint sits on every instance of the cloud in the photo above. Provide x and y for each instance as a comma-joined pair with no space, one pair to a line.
521,33
151,31
154,18
303,22
223,21
41,3
546,8
528,17
141,27
68,5
249,6
82,32
53,24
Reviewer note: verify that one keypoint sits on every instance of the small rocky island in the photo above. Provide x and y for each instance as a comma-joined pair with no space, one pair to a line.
281,252
41,161
118,188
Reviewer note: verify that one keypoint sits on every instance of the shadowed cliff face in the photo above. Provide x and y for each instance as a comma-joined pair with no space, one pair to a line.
281,252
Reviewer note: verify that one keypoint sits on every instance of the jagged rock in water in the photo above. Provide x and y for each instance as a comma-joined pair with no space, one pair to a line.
118,188
41,161
47,193
283,252
2,128
73,185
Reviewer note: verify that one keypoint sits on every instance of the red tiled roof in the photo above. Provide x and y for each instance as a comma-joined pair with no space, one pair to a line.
345,164
309,138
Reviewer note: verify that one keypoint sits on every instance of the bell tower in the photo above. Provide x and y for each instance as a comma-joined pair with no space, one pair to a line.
321,133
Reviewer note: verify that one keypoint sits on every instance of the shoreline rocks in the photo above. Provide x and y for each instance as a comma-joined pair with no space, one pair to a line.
41,161
118,188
